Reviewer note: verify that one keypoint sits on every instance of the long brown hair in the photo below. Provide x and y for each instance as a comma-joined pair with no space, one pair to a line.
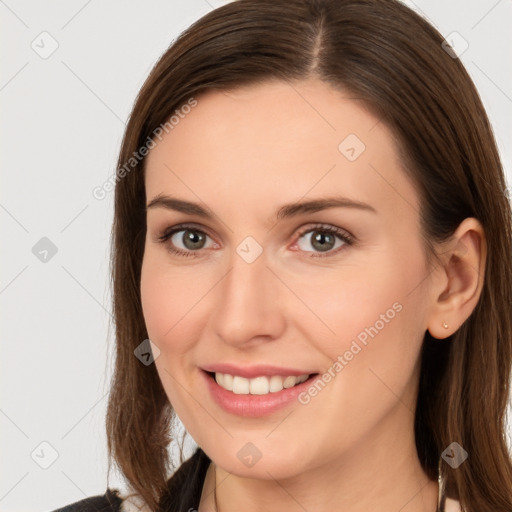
393,60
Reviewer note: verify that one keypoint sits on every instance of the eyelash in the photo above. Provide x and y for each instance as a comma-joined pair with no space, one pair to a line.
323,228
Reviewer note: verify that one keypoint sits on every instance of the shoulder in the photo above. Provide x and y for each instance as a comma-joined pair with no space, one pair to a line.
183,490
108,502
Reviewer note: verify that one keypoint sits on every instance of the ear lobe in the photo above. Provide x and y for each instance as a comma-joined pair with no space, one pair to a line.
459,279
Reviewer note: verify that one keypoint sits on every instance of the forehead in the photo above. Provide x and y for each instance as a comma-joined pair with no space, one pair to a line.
281,141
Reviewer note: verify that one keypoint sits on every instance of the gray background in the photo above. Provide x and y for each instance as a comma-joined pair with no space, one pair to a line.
62,121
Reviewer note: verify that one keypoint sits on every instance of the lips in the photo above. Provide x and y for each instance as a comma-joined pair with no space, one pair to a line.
256,390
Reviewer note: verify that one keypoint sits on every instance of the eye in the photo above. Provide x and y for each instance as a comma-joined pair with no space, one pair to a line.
323,238
191,239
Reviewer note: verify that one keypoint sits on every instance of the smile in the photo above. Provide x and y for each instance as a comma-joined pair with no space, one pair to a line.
255,395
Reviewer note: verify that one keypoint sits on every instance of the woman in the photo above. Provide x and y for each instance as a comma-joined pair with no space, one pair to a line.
312,228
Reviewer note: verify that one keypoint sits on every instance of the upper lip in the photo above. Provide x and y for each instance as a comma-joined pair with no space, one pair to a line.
250,372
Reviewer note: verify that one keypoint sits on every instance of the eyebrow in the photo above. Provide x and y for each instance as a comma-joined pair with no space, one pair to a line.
285,211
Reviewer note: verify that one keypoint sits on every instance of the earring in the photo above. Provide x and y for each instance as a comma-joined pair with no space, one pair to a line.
445,325
441,495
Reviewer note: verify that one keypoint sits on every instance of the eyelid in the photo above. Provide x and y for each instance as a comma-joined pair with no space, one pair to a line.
170,230
330,228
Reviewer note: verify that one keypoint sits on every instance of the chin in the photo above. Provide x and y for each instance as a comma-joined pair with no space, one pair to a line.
263,459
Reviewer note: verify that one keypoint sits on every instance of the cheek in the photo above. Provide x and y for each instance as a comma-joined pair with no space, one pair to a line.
168,307
163,300
373,314
155,296
172,302
371,357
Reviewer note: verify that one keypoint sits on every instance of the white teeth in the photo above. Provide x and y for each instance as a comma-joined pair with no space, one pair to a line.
228,382
276,383
258,385
289,382
240,385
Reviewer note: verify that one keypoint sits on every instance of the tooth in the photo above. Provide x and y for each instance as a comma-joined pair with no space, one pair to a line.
302,378
290,381
240,385
228,382
258,386
276,383
219,378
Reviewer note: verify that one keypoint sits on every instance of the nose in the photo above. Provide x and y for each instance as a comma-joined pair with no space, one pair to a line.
248,304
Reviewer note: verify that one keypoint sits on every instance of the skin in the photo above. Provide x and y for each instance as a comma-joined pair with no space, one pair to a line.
242,154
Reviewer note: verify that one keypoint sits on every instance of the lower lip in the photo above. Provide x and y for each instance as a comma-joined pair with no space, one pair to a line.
254,405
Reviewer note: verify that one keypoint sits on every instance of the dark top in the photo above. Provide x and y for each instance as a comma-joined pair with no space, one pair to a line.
183,490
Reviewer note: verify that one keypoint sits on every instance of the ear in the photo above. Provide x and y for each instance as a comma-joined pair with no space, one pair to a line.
458,278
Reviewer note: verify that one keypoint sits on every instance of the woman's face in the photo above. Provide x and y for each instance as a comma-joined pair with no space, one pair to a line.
263,290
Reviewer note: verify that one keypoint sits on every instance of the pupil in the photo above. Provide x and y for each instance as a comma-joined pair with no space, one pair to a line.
320,238
194,238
